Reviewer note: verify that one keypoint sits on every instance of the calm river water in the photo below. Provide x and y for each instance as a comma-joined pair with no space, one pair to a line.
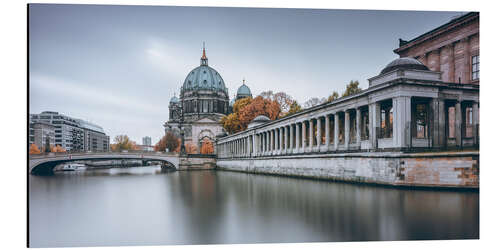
143,206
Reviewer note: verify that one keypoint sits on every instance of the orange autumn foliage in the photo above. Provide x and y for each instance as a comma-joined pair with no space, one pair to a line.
34,149
246,109
207,147
191,148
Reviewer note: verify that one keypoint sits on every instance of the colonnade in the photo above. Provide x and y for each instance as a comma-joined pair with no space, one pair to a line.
397,122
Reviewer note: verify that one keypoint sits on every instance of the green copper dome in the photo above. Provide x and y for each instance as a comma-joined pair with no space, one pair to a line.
244,90
204,77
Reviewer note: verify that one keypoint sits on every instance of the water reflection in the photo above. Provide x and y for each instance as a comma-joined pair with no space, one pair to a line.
143,206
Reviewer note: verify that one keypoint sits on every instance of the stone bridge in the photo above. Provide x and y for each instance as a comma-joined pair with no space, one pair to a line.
44,164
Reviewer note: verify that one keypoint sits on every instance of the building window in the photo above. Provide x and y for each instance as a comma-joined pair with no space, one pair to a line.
386,119
421,119
475,67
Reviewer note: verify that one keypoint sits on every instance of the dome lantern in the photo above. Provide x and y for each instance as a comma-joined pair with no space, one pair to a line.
204,59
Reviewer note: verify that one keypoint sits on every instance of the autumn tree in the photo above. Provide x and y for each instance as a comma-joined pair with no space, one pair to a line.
34,149
123,142
60,149
231,123
283,99
352,88
245,110
258,106
207,147
294,108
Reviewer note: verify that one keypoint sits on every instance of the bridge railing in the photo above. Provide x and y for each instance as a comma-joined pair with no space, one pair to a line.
145,153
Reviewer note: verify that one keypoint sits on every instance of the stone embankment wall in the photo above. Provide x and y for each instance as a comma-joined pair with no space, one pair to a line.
197,162
452,169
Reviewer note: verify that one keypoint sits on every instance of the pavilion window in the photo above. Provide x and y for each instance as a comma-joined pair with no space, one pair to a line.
352,126
421,111
315,132
341,128
386,119
323,131
308,123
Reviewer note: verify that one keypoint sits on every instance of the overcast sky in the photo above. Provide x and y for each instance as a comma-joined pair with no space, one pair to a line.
118,66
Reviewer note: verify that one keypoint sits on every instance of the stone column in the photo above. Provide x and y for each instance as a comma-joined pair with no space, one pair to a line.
347,128
264,146
336,131
475,122
253,145
318,132
276,142
458,123
304,140
273,141
286,138
311,134
401,118
358,126
297,139
280,148
374,123
327,131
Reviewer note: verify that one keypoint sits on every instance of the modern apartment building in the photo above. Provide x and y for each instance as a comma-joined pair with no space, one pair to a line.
94,138
41,133
74,135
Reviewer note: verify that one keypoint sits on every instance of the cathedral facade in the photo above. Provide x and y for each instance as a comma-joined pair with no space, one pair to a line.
203,101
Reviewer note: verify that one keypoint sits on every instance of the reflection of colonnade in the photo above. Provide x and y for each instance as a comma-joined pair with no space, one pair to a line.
406,107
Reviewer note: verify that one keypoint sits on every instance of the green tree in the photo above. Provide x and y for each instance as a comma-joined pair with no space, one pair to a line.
334,96
352,88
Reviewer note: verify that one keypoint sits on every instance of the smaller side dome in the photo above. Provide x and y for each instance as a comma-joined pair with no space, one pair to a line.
174,99
244,90
261,119
404,63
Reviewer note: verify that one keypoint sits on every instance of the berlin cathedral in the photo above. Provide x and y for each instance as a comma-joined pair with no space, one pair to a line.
203,100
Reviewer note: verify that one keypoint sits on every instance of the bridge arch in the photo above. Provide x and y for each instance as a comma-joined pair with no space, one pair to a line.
45,164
